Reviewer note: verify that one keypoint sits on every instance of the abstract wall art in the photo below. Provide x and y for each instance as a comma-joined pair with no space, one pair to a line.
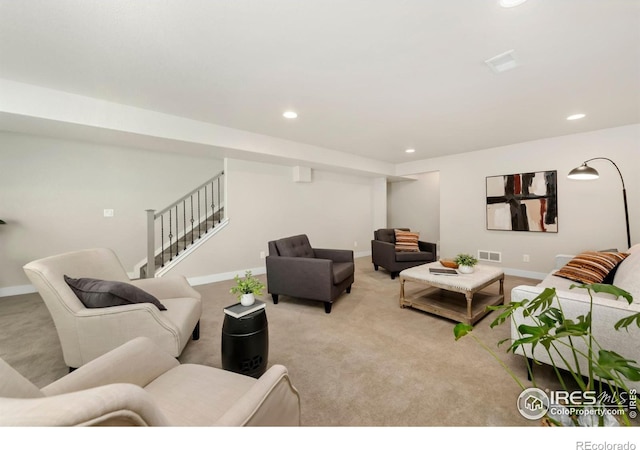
523,202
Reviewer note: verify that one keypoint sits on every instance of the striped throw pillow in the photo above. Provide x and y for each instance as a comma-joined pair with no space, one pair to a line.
407,241
591,267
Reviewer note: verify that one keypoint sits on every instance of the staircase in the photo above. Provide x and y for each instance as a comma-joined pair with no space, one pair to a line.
183,225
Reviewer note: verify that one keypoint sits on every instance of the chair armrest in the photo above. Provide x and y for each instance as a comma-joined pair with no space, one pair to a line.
299,277
428,247
383,253
138,362
115,404
167,287
271,401
335,255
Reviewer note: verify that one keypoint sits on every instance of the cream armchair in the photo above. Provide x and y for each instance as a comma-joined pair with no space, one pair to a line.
140,384
86,333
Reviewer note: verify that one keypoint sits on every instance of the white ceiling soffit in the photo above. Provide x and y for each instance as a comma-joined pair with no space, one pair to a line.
369,78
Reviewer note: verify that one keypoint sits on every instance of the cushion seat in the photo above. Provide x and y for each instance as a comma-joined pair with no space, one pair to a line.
342,271
414,256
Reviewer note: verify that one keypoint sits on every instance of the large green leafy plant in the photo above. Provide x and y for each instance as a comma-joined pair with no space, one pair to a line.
550,329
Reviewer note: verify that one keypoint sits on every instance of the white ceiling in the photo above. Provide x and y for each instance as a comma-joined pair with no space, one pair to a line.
368,77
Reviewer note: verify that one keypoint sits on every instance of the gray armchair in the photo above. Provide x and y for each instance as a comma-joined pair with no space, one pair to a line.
384,254
296,269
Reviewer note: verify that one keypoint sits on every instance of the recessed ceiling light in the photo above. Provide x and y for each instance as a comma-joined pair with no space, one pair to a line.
410,150
576,116
511,3
290,114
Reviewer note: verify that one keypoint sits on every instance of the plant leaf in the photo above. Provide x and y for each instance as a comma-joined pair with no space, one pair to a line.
509,309
462,329
609,361
606,288
625,322
542,301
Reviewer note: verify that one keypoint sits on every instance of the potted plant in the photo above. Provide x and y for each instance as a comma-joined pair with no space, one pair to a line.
465,262
588,366
247,288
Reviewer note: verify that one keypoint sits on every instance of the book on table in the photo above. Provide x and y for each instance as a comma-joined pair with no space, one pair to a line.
237,310
437,271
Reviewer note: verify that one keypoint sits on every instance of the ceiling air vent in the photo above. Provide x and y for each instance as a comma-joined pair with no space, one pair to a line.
502,62
486,255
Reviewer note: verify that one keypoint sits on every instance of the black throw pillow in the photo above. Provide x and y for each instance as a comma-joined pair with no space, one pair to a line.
95,293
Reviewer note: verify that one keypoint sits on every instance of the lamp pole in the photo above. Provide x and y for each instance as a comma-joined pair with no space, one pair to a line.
584,169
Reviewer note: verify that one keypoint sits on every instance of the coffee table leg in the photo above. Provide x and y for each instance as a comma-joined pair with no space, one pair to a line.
469,296
401,293
502,288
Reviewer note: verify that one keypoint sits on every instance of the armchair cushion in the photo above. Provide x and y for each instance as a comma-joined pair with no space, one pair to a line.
407,241
94,293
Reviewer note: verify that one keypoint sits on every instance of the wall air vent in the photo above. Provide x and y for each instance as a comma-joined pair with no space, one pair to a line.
487,255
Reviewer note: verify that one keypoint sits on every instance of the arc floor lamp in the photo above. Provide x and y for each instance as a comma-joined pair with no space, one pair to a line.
585,172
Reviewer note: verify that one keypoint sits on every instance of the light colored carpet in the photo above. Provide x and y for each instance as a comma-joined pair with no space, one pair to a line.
368,363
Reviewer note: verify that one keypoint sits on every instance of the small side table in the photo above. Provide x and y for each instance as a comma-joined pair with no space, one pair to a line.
245,344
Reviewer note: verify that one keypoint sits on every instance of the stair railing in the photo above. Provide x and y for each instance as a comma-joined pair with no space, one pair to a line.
182,223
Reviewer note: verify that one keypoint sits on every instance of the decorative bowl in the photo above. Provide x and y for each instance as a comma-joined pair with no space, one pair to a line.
449,263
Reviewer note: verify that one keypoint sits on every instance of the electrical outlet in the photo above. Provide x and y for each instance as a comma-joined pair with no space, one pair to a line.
525,258
108,212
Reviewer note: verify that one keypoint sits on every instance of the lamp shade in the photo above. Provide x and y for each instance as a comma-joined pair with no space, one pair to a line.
583,172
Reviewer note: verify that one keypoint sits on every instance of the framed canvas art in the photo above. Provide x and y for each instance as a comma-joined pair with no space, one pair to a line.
523,202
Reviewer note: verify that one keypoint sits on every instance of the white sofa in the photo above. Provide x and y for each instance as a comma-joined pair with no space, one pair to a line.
606,310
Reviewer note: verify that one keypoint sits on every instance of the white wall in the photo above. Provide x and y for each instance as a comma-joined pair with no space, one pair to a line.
53,192
264,203
416,205
591,214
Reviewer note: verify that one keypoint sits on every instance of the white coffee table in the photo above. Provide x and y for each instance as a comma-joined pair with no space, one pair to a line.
456,297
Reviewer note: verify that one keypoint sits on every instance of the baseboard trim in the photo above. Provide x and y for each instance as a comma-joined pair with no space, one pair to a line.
215,277
525,274
17,290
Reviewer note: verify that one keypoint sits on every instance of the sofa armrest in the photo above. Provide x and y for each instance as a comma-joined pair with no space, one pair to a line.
138,362
335,255
114,404
271,401
175,286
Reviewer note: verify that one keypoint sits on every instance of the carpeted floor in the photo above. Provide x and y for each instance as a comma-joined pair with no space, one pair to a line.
368,363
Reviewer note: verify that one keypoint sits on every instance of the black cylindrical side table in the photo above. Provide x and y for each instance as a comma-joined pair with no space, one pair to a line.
245,343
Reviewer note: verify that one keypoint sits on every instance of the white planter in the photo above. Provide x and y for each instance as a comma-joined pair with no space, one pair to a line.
465,269
247,299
